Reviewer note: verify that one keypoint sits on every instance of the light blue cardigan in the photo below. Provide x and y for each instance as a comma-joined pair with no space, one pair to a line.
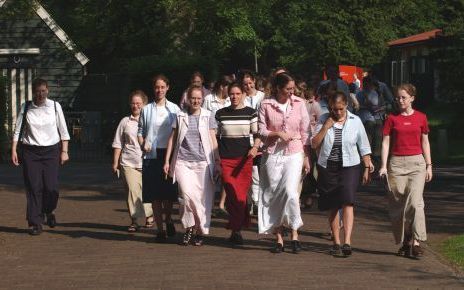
147,128
354,141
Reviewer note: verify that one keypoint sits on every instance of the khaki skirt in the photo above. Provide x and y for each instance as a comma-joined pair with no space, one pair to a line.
406,175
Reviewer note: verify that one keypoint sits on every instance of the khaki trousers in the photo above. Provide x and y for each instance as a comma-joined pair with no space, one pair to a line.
137,209
406,175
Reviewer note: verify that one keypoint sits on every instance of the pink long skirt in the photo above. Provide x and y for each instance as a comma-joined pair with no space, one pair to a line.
196,194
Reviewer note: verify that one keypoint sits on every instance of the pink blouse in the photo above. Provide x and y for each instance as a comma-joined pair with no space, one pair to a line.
295,122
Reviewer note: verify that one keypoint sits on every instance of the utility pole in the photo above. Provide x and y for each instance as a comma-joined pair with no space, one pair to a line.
256,60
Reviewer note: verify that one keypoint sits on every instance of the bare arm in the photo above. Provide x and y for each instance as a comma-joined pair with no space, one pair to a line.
384,154
427,156
254,150
116,156
171,144
14,154
64,156
366,171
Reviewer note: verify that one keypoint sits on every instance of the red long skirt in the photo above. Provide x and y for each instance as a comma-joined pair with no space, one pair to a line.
236,178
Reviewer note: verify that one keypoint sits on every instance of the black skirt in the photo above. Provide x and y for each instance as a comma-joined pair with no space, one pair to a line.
155,187
337,185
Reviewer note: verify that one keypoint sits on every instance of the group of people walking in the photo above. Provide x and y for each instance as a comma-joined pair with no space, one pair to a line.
253,147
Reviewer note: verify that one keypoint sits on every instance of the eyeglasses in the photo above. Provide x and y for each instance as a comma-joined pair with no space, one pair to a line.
402,98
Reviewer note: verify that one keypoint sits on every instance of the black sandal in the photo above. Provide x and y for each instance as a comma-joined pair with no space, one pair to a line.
336,250
133,228
296,246
187,236
278,248
346,250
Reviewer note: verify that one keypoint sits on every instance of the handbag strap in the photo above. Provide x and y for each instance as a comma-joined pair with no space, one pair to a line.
24,121
56,118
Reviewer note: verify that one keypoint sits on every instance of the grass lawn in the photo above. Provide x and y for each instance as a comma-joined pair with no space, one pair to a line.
453,249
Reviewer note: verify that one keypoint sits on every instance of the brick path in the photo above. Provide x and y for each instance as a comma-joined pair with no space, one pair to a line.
91,249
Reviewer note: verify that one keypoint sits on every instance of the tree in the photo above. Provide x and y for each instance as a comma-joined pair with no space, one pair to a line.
303,35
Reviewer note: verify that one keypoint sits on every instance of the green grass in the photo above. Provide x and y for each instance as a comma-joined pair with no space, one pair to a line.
453,250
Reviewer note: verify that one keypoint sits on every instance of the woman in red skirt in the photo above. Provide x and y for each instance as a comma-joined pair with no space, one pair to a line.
235,124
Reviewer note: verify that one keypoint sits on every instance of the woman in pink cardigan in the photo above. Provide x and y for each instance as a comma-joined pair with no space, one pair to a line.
284,128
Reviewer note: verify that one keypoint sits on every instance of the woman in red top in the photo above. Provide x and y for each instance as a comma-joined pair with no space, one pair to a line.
405,139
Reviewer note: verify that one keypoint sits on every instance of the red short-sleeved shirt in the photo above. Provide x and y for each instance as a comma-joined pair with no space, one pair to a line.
406,133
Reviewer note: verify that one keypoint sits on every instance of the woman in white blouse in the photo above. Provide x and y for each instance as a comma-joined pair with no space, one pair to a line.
127,158
41,131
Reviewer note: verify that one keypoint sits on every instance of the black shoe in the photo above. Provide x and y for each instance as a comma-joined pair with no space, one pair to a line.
35,230
346,250
198,240
278,248
336,250
236,238
44,221
187,237
170,229
405,250
51,220
296,246
161,237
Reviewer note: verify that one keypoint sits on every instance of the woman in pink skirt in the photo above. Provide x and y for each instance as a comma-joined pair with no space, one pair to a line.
195,165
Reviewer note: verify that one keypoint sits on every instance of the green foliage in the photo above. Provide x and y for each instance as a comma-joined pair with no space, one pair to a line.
303,35
14,9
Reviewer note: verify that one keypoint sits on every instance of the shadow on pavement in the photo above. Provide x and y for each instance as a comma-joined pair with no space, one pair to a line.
13,230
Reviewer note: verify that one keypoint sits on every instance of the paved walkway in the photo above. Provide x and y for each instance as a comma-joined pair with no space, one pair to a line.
91,249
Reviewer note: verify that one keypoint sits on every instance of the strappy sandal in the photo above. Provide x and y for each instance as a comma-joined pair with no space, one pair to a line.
187,236
133,228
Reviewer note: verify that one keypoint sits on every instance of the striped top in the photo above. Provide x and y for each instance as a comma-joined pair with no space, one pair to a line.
234,129
336,152
191,148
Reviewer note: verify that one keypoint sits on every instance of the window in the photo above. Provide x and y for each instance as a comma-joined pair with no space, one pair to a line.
404,72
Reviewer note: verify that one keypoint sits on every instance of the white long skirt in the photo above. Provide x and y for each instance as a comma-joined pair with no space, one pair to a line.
278,204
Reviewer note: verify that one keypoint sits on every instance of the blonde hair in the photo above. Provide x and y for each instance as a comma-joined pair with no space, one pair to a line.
141,94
